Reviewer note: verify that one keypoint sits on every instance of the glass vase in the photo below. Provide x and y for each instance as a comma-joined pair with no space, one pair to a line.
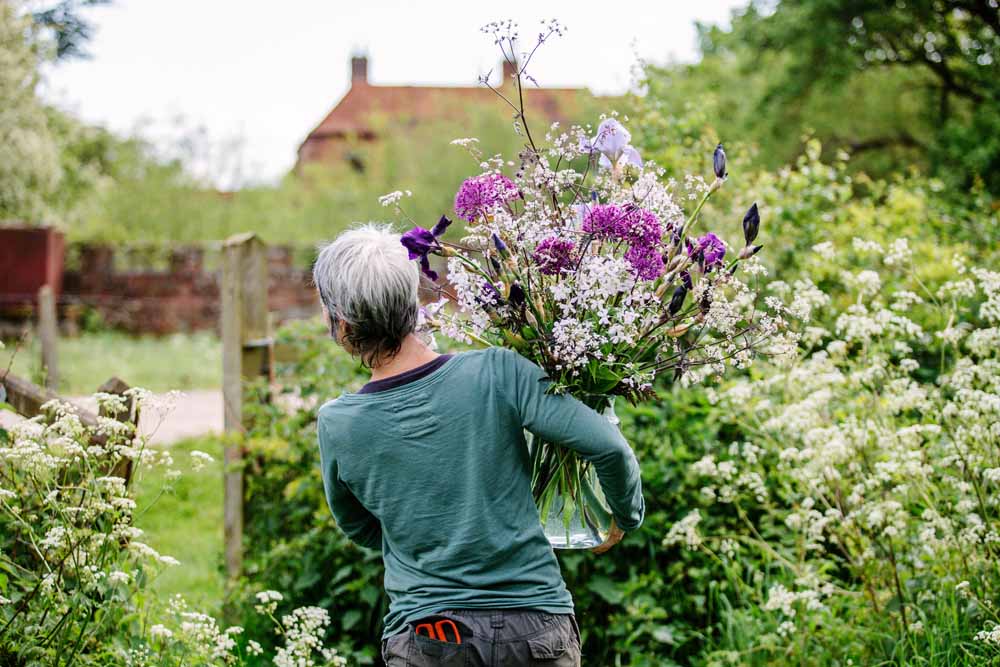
571,504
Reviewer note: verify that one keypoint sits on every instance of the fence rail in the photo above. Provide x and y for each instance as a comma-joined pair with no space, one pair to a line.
27,399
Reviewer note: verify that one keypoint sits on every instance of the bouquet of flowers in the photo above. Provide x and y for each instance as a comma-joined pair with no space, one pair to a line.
584,261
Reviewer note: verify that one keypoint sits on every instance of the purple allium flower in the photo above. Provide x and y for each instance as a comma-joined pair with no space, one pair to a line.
481,195
554,255
642,228
708,251
647,262
633,224
420,242
604,221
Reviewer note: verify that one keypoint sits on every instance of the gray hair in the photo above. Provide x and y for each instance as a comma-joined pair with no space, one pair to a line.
366,279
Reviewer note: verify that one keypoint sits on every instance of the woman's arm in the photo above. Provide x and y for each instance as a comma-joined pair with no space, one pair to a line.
360,525
564,420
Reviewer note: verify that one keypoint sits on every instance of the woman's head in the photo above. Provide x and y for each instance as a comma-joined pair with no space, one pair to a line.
368,287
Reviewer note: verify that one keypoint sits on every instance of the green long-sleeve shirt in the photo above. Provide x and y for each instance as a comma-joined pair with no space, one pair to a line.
436,473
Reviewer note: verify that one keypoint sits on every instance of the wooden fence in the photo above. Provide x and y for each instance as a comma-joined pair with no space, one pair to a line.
249,353
28,398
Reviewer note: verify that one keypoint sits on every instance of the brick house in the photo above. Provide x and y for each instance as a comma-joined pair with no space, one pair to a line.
352,116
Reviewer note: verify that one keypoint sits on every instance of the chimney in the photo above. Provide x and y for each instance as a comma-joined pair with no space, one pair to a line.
508,69
359,70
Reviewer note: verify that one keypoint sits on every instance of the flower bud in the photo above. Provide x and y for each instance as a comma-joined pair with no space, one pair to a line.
677,300
500,245
750,251
677,262
516,295
719,161
678,330
751,224
537,303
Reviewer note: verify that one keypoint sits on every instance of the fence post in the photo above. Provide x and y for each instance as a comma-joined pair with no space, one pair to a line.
245,353
48,333
116,385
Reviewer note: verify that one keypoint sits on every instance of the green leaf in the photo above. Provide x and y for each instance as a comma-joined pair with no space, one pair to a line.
350,619
370,595
606,589
664,634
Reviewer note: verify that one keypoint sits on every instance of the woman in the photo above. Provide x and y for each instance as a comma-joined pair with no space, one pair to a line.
428,463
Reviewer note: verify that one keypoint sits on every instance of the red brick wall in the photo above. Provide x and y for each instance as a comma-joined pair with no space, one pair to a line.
183,295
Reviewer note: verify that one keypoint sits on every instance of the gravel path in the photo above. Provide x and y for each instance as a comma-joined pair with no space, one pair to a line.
196,412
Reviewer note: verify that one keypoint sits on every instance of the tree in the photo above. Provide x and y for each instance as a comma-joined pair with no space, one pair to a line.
67,26
29,154
947,50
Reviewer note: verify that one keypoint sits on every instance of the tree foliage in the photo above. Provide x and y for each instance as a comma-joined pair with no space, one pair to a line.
898,84
65,24
29,153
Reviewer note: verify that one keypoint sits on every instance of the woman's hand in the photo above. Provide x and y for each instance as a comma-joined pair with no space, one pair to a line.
615,535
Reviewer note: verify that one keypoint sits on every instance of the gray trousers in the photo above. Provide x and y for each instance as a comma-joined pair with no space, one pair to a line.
490,638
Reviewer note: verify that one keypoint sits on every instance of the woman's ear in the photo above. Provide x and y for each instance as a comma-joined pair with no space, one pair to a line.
342,330
336,331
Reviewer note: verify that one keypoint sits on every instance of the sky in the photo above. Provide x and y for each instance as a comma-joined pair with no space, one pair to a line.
234,86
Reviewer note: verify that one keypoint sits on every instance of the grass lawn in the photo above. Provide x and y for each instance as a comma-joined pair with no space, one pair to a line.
158,363
186,523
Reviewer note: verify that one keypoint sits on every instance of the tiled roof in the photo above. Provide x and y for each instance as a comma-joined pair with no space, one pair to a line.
355,114
352,115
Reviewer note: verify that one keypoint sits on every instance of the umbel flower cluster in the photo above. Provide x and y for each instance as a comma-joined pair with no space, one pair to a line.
584,260
75,569
877,461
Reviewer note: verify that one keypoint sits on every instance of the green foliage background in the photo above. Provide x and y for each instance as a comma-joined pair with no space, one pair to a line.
645,604
791,88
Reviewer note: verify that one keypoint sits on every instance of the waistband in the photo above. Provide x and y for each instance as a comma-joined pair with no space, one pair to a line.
502,612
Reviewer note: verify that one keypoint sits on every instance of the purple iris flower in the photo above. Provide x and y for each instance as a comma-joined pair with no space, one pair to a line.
516,296
420,243
612,142
708,251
